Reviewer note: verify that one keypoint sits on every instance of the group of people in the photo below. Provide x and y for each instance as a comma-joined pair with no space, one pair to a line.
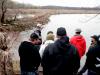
57,57
61,56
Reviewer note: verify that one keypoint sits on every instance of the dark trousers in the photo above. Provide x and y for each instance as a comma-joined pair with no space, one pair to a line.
29,73
92,73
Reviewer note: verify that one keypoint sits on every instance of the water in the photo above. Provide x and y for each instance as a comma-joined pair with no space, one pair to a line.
89,23
20,16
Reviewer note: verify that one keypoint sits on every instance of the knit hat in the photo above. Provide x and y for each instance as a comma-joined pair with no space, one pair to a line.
50,37
61,31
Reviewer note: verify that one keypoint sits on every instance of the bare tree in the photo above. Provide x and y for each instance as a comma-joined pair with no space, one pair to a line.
3,10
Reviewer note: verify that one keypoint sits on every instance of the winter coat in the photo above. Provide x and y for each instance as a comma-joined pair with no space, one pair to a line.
6,66
29,56
93,60
60,58
42,48
79,42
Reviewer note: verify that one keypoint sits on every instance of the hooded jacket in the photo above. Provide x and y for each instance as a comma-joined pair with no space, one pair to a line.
60,58
79,42
29,56
92,60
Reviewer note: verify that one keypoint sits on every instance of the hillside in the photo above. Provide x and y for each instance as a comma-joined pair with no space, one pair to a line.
14,5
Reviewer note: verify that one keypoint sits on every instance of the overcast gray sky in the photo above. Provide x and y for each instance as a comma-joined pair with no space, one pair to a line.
72,3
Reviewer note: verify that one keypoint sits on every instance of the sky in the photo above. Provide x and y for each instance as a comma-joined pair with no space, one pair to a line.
70,3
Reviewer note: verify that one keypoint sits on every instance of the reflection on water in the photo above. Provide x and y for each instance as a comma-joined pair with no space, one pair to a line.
20,16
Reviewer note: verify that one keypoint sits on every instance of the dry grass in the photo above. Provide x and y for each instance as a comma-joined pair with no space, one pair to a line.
16,67
41,16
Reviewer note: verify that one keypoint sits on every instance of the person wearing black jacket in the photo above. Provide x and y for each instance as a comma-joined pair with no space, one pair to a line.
29,56
93,58
60,58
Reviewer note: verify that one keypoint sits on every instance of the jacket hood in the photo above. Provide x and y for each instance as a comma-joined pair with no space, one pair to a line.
63,42
79,37
26,43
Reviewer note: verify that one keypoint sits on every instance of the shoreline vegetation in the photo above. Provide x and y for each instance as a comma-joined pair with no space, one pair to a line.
9,10
41,16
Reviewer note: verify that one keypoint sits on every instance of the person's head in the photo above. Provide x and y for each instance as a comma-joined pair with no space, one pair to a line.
94,40
49,32
34,38
50,37
78,31
61,31
39,42
3,42
38,32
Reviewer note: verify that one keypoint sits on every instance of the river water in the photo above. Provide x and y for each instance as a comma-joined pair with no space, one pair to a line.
89,23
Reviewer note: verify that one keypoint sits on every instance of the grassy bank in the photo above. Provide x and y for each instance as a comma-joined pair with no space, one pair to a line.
41,16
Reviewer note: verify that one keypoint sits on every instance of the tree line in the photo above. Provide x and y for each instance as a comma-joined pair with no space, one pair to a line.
15,5
8,4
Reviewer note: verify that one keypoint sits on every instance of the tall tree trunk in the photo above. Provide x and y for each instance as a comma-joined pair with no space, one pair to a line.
2,18
3,10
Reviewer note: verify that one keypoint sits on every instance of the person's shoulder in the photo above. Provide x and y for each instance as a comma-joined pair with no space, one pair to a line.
49,47
73,38
24,42
27,44
72,46
91,50
73,49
